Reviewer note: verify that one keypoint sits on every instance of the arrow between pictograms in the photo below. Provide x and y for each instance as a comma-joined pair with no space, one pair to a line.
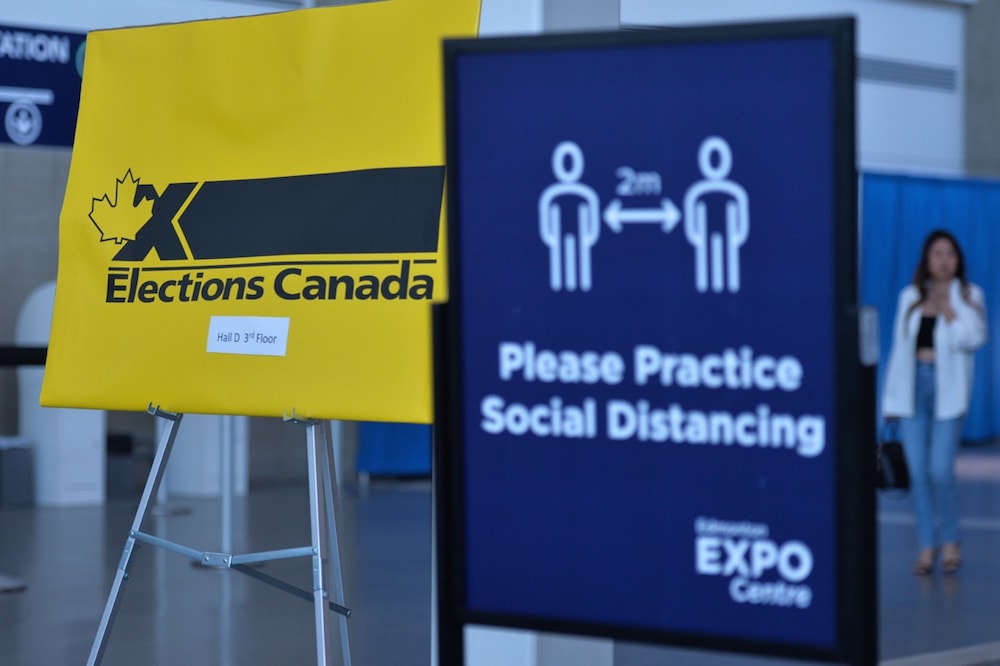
667,215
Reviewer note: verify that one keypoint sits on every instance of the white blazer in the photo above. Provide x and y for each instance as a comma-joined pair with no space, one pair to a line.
954,344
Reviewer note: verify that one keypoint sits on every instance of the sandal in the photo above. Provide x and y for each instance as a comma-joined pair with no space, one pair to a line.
951,561
924,565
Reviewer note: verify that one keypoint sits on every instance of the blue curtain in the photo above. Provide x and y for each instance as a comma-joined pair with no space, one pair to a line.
394,449
897,212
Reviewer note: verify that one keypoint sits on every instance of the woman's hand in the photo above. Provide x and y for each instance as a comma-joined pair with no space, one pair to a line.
938,302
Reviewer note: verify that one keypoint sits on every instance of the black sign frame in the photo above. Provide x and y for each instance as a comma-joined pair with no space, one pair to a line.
856,610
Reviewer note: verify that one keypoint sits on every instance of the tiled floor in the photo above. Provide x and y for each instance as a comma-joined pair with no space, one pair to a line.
173,613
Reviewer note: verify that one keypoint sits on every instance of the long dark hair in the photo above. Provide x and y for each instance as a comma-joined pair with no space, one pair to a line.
922,273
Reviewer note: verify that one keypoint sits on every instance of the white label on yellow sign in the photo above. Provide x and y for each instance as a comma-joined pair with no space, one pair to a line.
254,336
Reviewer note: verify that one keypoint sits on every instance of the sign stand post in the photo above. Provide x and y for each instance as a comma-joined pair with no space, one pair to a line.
323,507
324,549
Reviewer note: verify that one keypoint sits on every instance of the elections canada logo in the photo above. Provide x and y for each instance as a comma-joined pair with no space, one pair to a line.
120,223
359,235
760,570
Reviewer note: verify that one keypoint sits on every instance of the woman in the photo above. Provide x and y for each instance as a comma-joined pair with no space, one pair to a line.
940,321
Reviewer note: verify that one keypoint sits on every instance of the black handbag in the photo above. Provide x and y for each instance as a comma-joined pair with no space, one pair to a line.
890,463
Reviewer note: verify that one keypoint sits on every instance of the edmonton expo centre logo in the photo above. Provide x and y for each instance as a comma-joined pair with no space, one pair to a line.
221,240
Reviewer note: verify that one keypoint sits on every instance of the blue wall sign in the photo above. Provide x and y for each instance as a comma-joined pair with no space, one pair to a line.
40,76
644,404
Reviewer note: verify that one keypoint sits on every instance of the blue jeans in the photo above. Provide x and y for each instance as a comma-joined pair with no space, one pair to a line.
931,446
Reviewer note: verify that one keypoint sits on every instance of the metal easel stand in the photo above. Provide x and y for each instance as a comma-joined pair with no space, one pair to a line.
324,549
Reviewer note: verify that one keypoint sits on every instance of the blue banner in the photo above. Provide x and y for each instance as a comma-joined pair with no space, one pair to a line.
40,76
644,293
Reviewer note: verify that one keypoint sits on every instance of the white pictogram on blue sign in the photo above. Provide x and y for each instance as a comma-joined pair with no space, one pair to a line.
569,252
718,248
23,119
717,253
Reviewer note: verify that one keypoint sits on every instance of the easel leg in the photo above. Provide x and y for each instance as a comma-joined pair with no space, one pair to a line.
322,511
330,476
125,564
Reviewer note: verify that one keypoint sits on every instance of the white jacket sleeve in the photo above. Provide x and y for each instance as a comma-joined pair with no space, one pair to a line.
897,390
967,331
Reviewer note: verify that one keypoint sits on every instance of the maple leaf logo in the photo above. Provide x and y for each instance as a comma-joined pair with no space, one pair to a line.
119,219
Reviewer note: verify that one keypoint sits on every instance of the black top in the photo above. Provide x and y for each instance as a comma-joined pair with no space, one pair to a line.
925,336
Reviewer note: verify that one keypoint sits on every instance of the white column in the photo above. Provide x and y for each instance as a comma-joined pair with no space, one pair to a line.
68,444
195,467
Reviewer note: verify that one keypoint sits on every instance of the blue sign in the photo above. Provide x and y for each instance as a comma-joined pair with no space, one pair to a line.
646,333
40,77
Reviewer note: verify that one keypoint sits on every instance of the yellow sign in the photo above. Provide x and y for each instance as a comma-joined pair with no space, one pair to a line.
254,219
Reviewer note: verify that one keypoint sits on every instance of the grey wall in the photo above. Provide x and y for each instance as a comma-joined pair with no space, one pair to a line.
982,62
32,181
568,15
